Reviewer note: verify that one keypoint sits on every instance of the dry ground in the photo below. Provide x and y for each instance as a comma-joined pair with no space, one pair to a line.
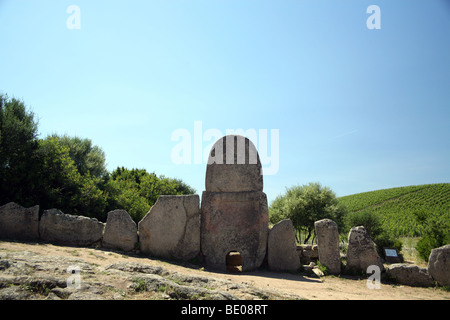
269,285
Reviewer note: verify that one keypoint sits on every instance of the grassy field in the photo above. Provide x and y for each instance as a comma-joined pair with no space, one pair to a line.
398,207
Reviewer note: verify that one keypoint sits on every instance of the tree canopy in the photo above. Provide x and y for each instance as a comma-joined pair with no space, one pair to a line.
69,173
304,205
18,146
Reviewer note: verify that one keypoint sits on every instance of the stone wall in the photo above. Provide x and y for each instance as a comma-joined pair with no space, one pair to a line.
19,223
174,225
171,229
231,224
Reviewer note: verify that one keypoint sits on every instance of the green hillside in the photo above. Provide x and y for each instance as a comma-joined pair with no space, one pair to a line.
397,207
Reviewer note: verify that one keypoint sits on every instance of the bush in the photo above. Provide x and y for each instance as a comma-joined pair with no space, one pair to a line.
369,220
373,224
384,240
436,233
425,245
304,205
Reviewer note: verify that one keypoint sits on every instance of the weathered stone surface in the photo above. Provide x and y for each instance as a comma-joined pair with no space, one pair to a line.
361,251
234,166
19,223
410,275
282,247
120,231
171,229
439,265
234,221
308,253
328,243
57,227
31,273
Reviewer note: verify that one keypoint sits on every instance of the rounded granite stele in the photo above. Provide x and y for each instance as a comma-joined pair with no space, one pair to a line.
233,166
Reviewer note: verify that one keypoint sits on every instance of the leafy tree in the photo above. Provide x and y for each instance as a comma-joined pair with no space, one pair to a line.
69,173
124,194
436,233
88,158
62,186
373,224
304,205
368,219
136,190
18,144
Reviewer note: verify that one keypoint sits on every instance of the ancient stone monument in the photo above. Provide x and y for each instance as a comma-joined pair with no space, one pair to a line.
328,244
57,227
171,229
282,247
361,251
439,265
410,275
234,210
120,231
19,223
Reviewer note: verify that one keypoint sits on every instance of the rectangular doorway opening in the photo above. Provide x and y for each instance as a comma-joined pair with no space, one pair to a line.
234,262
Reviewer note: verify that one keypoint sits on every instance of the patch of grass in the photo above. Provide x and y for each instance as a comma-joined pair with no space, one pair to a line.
139,285
322,268
74,253
35,287
409,251
444,288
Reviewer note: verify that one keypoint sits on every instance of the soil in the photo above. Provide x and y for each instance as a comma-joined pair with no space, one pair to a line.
112,274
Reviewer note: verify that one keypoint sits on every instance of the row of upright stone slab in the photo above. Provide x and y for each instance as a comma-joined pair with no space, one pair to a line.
19,223
361,250
231,225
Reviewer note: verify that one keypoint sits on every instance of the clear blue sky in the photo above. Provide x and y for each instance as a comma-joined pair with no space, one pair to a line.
356,109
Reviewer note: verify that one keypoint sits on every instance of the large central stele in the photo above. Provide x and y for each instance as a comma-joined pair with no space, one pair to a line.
234,211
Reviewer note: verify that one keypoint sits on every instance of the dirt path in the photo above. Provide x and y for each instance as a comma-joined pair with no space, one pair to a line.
307,287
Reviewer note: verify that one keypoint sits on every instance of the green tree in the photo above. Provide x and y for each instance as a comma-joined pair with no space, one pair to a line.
88,158
374,226
436,233
61,185
304,205
136,190
18,144
124,194
368,219
69,173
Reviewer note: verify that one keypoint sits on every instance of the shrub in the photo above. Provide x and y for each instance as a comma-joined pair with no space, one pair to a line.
373,224
436,233
368,219
384,240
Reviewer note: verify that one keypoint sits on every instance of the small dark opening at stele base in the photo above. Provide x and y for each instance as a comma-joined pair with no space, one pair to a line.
234,261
